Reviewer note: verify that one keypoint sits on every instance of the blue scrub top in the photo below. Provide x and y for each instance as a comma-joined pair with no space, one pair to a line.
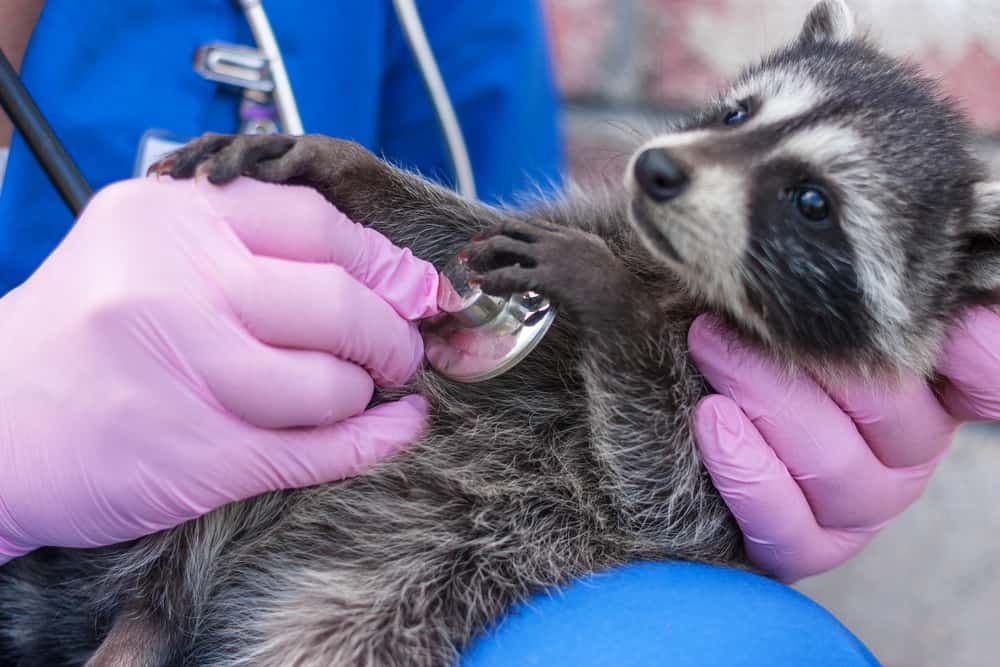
104,73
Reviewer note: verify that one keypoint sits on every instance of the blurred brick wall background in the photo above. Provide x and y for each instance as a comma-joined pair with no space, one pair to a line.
926,592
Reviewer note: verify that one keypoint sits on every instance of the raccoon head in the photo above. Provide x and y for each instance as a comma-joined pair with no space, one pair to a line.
827,205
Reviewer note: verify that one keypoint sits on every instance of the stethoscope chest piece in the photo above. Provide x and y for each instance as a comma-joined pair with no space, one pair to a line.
477,337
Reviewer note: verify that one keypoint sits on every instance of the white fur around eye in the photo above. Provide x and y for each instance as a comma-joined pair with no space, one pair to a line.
831,147
780,95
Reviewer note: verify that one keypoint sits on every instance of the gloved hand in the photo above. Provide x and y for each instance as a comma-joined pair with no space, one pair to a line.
811,477
156,365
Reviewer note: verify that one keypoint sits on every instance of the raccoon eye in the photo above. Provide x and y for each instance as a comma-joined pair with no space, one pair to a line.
736,116
812,203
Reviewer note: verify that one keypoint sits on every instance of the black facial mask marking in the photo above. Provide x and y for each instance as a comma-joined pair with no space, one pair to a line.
801,276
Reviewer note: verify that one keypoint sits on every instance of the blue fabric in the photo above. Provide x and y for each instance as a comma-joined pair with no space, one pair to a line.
104,73
671,614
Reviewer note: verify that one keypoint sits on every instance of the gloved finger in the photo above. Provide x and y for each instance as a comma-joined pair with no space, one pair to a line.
846,485
780,531
904,424
296,223
281,388
970,362
321,307
303,457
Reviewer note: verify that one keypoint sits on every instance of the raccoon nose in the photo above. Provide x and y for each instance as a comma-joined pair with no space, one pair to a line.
659,175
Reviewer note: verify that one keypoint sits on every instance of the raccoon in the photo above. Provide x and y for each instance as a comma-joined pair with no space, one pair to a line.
827,207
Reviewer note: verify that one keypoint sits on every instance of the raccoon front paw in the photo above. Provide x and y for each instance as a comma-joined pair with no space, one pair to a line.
223,157
573,269
313,160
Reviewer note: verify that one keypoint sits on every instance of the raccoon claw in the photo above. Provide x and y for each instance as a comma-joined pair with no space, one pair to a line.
162,166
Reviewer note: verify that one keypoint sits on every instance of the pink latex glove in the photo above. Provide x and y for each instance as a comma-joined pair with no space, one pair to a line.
811,477
156,365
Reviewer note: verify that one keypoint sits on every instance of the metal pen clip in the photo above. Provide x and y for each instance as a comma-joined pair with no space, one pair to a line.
249,72
259,73
232,65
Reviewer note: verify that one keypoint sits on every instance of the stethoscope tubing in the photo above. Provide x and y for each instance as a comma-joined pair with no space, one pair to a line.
50,152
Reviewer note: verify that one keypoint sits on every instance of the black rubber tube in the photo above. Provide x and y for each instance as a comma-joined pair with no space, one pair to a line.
43,142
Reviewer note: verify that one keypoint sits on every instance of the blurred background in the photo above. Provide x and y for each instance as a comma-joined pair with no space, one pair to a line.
926,592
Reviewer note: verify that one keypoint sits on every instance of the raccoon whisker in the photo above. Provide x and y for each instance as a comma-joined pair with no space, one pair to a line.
612,159
764,273
626,128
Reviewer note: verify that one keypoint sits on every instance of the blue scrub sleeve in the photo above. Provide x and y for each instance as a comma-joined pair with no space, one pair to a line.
672,614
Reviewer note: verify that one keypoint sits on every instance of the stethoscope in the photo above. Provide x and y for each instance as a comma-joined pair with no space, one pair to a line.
476,337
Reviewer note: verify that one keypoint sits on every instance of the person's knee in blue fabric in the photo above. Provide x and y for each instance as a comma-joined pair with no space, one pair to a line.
677,614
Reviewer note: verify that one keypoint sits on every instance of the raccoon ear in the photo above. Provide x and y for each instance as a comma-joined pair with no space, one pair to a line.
829,21
982,244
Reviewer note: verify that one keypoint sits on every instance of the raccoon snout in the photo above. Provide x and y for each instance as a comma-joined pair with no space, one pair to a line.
659,175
